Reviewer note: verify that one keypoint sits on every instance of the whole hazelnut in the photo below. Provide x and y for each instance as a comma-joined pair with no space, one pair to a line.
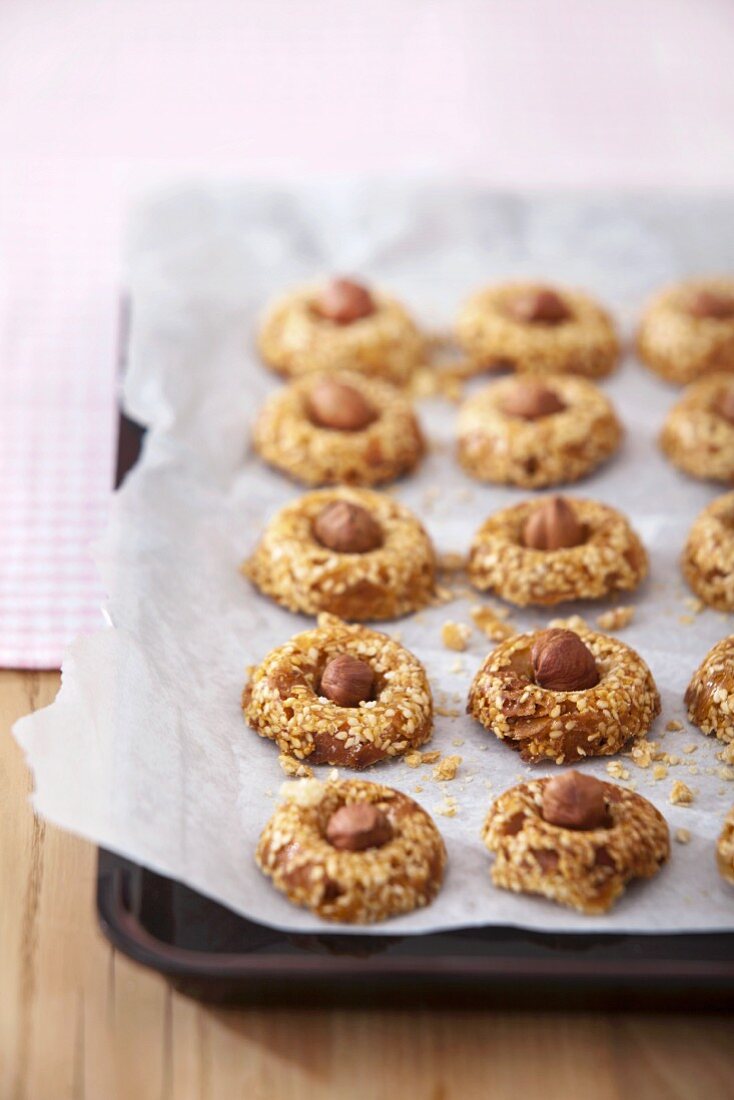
357,826
561,662
553,526
530,399
726,405
347,681
334,405
347,528
343,301
575,801
539,305
710,304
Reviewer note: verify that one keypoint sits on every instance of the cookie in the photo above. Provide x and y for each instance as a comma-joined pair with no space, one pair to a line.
341,324
339,429
698,434
339,694
710,694
545,552
725,849
574,839
352,851
687,330
708,556
538,329
355,553
535,434
563,695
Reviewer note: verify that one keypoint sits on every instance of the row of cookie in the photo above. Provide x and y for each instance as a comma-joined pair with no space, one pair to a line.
348,696
366,557
687,331
359,852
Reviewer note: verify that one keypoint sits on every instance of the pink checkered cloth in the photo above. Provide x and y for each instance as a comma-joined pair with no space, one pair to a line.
58,422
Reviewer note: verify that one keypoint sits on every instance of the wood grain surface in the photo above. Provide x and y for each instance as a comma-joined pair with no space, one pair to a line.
80,1022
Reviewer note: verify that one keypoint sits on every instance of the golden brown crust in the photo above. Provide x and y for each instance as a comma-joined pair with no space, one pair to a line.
564,726
286,437
680,347
555,449
360,887
281,699
292,567
586,344
294,340
696,437
611,559
725,849
710,694
708,556
583,869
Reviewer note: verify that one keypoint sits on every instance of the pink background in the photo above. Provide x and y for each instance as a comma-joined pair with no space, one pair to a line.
99,98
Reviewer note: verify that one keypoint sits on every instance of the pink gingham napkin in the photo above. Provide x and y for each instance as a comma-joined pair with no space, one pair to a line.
58,309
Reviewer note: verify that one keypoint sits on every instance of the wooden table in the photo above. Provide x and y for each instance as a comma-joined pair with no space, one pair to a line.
77,1020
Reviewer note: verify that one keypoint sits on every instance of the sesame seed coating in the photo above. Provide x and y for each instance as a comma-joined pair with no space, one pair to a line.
293,567
710,694
680,347
583,869
352,887
281,699
725,848
696,437
611,559
294,340
552,450
564,725
585,344
708,556
286,437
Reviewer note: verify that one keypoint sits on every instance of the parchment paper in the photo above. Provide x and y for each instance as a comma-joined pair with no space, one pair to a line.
145,750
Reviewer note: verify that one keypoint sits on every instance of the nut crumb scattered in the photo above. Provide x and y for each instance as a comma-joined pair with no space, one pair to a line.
447,768
682,836
685,620
616,619
431,757
660,771
680,794
457,741
616,770
448,712
673,725
574,622
490,621
455,635
294,767
688,749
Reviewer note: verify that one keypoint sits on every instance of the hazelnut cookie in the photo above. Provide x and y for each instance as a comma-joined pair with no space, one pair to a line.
698,434
574,839
341,323
539,329
342,695
520,431
708,556
358,554
545,552
339,429
725,849
687,330
352,851
563,695
710,694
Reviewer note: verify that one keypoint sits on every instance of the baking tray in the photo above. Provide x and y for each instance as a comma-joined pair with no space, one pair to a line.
210,952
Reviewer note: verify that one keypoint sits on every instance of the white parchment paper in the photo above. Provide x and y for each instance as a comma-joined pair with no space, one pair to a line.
145,750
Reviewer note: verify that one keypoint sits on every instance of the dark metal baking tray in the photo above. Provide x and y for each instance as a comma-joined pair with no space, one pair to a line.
210,952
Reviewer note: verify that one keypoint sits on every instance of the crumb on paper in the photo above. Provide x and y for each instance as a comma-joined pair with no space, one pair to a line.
455,635
448,712
660,771
694,605
457,741
617,770
490,621
688,749
727,754
295,768
673,725
457,667
418,788
642,754
573,622
413,759
452,562
431,757
333,775
725,773
616,619
685,620
683,836
680,794
447,808
447,768
441,596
